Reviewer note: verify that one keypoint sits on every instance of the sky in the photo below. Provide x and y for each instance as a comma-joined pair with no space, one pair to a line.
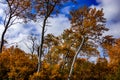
57,24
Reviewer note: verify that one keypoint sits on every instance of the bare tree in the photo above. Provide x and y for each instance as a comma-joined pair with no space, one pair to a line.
32,44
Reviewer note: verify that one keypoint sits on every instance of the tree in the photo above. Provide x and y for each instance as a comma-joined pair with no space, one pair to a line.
111,47
44,9
32,44
15,10
90,24
50,43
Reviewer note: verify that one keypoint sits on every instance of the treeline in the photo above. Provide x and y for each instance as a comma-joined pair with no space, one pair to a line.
15,64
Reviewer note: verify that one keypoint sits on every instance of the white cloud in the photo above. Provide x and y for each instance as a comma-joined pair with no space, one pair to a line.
114,29
66,10
111,8
17,34
58,24
2,9
1,29
112,14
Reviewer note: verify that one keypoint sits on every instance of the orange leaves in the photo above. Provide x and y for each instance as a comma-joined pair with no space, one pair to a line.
48,72
90,21
111,46
19,6
17,64
46,65
113,49
20,9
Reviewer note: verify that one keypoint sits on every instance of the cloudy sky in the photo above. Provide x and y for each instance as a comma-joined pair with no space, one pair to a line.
18,33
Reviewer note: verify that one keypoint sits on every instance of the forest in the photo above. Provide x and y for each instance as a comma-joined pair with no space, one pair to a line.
63,57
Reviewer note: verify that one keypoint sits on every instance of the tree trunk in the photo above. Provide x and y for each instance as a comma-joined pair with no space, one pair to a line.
41,45
6,26
74,59
2,40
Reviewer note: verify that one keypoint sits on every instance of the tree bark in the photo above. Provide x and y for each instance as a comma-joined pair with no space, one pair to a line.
41,45
2,40
74,59
6,26
49,11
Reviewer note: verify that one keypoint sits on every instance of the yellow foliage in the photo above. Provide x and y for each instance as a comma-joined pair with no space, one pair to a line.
17,64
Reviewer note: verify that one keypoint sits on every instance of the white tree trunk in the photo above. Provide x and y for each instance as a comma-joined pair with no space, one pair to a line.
74,59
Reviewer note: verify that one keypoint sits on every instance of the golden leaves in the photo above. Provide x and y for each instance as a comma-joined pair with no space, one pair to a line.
17,63
90,21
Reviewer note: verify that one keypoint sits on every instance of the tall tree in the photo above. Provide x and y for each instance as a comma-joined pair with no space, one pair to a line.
90,24
15,10
44,9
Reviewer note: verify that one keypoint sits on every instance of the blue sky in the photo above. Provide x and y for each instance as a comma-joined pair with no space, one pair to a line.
87,2
80,3
19,32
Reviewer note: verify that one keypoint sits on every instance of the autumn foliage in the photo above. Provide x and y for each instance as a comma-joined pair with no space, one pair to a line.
67,56
15,64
